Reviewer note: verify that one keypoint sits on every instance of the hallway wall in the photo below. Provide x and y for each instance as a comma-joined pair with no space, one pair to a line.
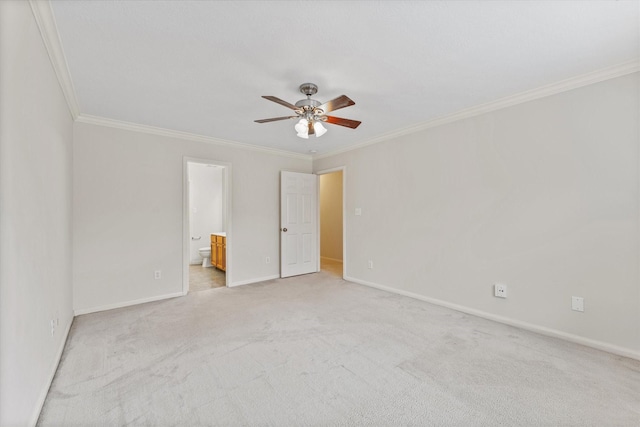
331,215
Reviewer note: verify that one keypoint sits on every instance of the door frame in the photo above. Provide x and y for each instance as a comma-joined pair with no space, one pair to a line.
344,213
186,235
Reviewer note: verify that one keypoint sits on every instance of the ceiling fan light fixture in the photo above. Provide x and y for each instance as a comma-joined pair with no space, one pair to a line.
319,129
302,128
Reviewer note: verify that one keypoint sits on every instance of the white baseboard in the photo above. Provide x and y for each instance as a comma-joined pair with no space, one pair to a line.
330,259
126,303
45,390
600,345
259,279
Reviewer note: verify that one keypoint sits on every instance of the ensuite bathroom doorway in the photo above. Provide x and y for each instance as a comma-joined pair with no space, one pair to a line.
331,220
206,203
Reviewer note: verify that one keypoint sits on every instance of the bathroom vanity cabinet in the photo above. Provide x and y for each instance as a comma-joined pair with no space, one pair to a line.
219,251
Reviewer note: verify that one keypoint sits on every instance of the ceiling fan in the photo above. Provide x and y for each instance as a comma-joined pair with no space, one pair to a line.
312,113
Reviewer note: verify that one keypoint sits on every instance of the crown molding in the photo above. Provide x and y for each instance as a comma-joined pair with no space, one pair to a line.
46,22
134,127
509,101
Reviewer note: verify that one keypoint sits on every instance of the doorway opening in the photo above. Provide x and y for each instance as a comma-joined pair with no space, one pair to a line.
206,225
331,221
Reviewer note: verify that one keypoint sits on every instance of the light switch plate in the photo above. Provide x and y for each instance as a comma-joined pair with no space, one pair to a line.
358,211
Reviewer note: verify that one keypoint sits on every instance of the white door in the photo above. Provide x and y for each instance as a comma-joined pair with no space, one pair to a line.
298,223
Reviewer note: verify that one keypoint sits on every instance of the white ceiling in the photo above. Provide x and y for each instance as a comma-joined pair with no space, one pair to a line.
201,66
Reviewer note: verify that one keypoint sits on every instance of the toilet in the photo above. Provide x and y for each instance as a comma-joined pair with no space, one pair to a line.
205,253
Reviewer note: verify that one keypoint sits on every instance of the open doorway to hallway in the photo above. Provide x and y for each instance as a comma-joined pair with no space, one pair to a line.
207,226
331,222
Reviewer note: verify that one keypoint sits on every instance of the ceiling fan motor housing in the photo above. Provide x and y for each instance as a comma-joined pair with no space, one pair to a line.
308,106
308,103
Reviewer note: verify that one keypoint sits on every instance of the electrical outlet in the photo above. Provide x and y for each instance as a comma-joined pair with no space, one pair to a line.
52,323
370,264
157,274
358,211
267,260
499,290
577,303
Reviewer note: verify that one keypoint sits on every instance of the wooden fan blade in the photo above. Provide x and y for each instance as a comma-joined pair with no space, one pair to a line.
343,122
312,131
335,104
275,119
281,102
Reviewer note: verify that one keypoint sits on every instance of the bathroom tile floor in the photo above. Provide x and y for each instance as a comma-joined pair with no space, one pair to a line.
203,278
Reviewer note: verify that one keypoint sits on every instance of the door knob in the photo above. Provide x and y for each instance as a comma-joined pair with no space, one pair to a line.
283,229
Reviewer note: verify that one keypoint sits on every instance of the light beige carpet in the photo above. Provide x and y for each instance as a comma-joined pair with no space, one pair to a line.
316,350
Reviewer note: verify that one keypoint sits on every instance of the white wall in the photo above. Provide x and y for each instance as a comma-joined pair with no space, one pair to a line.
542,196
128,206
331,215
205,206
35,217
